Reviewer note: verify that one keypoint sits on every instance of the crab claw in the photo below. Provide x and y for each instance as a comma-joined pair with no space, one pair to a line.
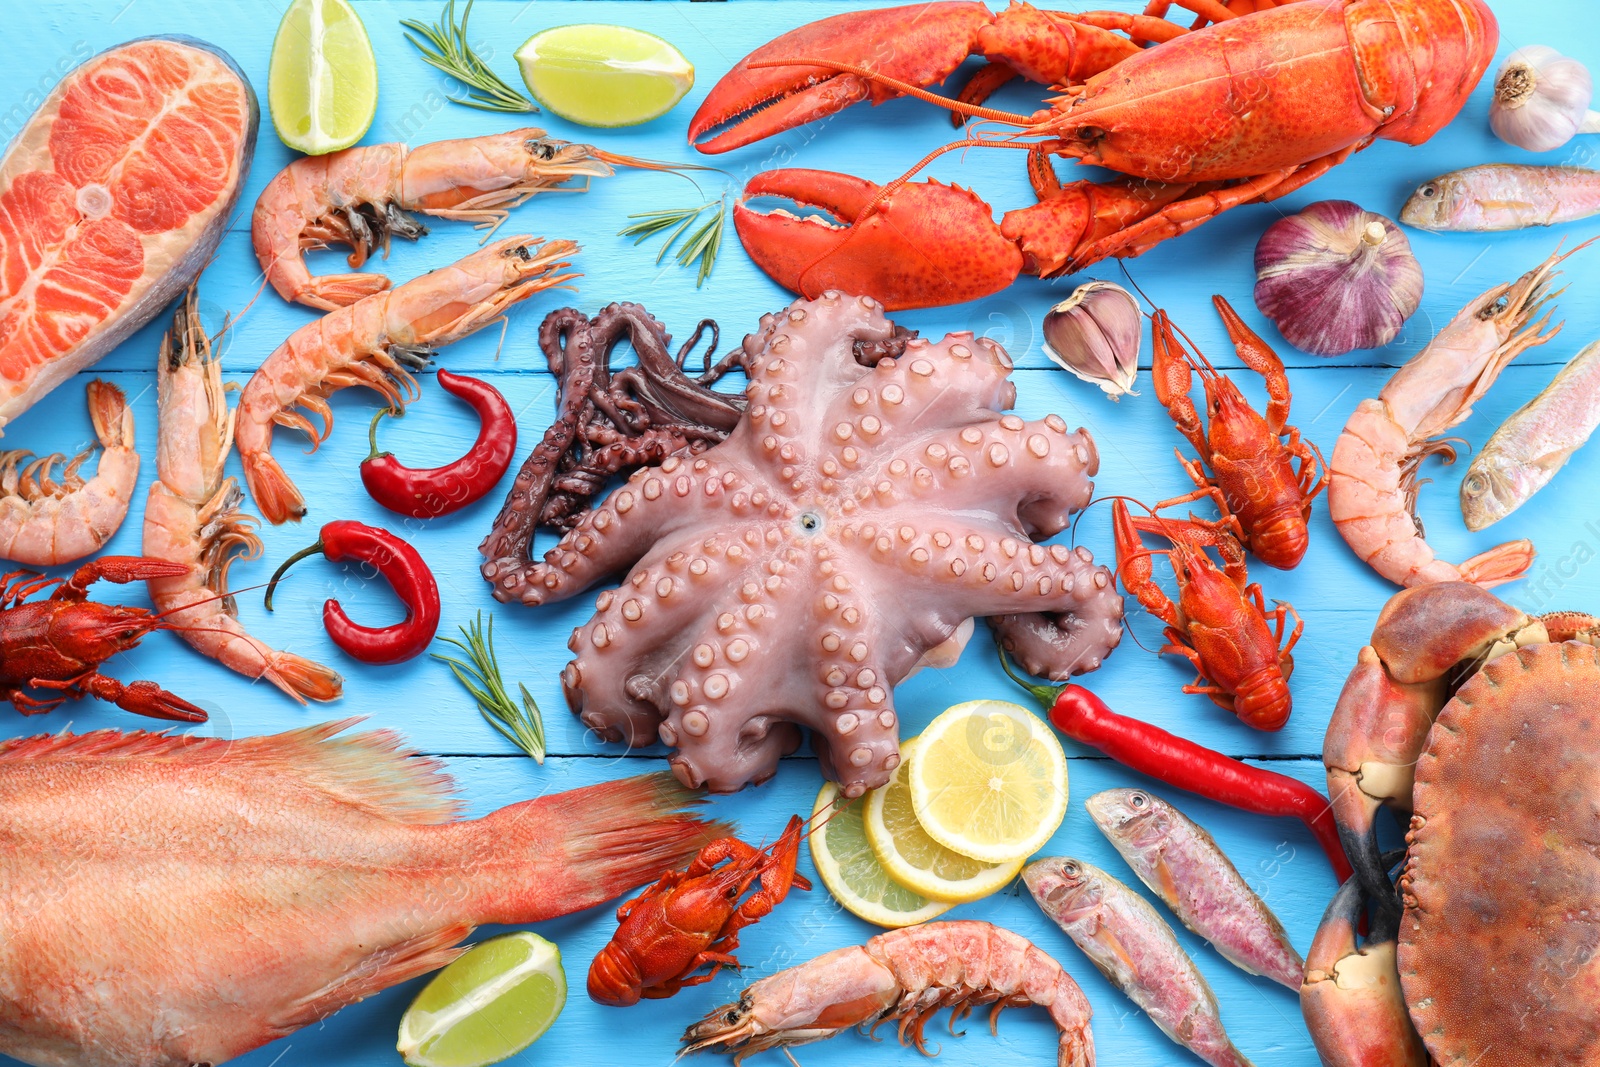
924,245
920,44
1351,997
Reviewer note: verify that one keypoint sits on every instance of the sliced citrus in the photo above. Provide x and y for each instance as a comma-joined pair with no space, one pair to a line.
989,780
491,1003
598,75
916,860
853,874
322,82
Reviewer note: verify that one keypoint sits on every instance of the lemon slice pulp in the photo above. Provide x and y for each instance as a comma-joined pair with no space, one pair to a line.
916,860
989,781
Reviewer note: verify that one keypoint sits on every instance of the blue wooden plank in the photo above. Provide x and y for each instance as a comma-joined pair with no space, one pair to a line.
1337,595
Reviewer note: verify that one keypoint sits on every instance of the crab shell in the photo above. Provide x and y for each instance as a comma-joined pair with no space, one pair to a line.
1498,946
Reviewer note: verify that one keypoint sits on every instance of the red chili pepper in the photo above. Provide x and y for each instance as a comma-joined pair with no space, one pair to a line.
1194,768
434,491
346,541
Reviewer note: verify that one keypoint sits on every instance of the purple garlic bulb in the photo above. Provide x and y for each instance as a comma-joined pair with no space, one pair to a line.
1336,278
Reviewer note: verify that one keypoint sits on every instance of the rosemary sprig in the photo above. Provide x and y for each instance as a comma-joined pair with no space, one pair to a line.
704,242
522,726
446,49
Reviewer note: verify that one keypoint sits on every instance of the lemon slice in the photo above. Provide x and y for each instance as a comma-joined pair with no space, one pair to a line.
598,75
853,874
491,1003
322,83
989,780
916,860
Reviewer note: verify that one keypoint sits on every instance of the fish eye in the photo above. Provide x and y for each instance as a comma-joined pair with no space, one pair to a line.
1137,800
1429,191
1070,868
1475,483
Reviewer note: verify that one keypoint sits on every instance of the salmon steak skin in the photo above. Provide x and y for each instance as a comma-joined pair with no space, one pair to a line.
169,900
112,198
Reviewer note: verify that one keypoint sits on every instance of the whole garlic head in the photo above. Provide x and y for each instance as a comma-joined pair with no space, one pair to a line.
1541,100
1336,278
1096,334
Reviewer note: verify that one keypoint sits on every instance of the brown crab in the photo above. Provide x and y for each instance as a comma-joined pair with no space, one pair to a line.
1501,887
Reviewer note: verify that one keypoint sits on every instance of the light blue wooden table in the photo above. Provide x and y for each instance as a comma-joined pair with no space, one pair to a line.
1338,597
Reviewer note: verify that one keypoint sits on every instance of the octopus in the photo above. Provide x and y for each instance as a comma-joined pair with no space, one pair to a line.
865,509
610,423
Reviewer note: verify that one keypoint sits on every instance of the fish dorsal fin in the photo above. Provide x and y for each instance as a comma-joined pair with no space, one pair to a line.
371,770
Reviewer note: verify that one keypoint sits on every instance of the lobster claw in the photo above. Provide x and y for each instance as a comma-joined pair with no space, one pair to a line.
921,44
924,245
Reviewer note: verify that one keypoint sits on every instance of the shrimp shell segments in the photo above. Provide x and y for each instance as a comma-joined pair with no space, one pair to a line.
903,976
44,522
192,517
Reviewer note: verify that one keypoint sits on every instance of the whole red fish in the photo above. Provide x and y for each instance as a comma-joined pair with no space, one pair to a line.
168,901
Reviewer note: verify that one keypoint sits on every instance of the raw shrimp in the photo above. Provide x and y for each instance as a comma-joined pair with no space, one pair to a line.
903,975
44,522
378,342
192,517
1373,492
360,197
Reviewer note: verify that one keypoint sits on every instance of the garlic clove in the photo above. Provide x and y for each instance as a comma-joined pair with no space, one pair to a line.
1096,334
1336,278
1541,100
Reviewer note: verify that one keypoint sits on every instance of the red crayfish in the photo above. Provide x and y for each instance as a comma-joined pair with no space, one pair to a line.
59,643
1255,100
1264,500
1220,623
693,917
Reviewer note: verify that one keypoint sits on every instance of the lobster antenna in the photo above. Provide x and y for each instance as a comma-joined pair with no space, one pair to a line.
905,88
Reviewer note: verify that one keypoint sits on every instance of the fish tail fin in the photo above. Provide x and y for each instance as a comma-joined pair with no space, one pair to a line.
586,846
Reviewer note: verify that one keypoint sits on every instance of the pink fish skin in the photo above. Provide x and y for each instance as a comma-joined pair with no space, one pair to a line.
168,901
1178,860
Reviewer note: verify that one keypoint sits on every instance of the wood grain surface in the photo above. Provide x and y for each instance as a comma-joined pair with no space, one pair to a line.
1338,597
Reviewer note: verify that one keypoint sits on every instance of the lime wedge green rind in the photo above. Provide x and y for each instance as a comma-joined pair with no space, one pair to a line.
322,81
599,75
491,1003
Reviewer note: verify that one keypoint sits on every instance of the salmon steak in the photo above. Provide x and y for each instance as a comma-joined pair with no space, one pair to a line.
112,198
167,901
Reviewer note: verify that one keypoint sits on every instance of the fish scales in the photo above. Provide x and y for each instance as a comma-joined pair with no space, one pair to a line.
169,900
1137,952
1182,865
1534,443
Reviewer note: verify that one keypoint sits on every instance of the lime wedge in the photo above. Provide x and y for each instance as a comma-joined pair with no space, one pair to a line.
322,83
598,75
493,1002
853,874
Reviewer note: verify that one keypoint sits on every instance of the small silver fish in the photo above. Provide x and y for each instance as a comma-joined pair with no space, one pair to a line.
1534,443
1137,952
1183,866
1503,196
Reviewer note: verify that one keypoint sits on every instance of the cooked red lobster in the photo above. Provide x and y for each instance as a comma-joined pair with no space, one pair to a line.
1246,106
